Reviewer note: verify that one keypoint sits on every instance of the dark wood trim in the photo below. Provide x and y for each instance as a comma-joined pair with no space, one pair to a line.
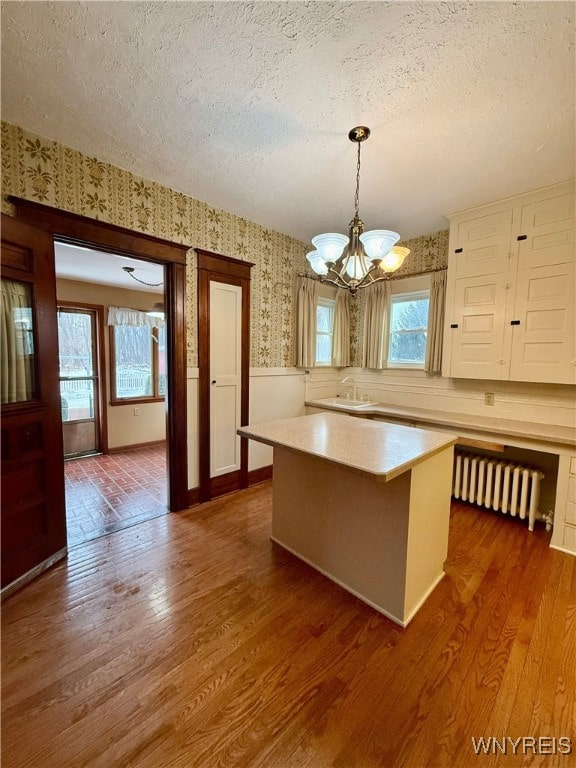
98,309
135,401
176,400
255,476
193,497
225,269
103,236
260,475
135,446
204,384
228,483
27,577
223,265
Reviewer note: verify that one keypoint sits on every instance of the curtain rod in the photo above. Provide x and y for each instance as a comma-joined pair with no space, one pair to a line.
395,277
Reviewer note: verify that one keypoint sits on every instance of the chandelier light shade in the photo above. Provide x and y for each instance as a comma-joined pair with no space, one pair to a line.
361,258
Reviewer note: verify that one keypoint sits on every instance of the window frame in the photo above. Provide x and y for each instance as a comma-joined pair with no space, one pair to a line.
156,397
397,298
325,301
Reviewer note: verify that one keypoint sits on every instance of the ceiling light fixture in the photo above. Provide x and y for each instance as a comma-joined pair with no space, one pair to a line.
362,258
130,270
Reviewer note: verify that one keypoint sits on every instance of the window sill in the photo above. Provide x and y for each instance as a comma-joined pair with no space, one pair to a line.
137,400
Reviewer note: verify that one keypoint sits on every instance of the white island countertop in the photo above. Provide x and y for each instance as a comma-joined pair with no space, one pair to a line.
374,448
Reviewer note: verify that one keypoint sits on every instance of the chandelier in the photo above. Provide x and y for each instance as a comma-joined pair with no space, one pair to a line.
362,258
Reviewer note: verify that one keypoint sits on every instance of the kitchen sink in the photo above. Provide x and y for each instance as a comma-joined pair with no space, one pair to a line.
343,402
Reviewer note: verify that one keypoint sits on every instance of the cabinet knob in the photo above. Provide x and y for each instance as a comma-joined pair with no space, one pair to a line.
458,250
514,322
522,237
454,325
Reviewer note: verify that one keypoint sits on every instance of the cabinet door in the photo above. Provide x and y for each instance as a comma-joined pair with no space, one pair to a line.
543,342
547,232
485,244
480,336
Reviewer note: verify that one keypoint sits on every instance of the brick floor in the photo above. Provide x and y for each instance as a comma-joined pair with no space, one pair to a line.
109,492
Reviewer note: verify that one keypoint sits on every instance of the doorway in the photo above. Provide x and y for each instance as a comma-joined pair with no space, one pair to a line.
223,361
113,385
79,353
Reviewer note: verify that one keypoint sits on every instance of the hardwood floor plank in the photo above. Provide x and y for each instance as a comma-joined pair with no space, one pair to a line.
193,641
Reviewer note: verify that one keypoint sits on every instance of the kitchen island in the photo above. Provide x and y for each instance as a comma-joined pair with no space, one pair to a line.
365,503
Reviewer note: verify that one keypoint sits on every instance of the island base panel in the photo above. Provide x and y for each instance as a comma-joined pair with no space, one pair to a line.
363,534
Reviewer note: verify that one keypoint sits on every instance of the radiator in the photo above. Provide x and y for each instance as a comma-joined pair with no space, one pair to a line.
500,485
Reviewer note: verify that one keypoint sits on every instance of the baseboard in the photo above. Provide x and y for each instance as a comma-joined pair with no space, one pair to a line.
224,486
260,475
193,496
21,581
135,446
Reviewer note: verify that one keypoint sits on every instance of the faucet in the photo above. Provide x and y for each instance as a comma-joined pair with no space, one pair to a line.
349,378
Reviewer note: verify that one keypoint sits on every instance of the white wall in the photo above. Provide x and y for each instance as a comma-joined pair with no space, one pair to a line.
275,393
552,404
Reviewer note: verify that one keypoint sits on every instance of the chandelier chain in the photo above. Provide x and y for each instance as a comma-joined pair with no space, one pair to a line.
129,271
357,195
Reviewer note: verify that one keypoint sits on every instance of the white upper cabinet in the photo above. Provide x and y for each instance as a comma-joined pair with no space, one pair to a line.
511,284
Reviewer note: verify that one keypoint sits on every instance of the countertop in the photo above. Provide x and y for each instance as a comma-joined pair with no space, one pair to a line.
375,448
522,429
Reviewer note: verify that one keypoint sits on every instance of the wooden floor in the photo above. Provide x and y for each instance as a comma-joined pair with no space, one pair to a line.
192,640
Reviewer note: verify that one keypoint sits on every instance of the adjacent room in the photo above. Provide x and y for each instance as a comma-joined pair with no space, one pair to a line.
288,384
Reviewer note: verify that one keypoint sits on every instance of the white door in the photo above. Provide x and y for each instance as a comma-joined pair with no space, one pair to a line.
547,232
479,336
543,346
483,245
225,376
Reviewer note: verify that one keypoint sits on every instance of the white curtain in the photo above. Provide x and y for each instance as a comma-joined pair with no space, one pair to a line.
433,362
306,302
375,324
133,317
341,334
17,378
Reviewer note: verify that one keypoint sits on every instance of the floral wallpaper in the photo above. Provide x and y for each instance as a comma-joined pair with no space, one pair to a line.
47,172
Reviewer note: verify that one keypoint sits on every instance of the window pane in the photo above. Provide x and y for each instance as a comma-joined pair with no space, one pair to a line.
75,344
133,353
161,361
407,347
409,315
408,327
18,376
324,349
77,399
324,319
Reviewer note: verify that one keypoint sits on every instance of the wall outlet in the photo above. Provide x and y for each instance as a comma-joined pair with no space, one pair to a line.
136,411
488,398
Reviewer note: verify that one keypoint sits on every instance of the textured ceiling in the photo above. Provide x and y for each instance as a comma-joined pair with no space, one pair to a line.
247,105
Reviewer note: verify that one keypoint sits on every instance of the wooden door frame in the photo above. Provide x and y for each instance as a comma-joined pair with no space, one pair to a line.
224,269
100,358
82,230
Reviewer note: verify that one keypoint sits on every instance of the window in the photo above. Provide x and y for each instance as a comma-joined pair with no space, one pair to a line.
408,324
138,363
77,361
324,331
